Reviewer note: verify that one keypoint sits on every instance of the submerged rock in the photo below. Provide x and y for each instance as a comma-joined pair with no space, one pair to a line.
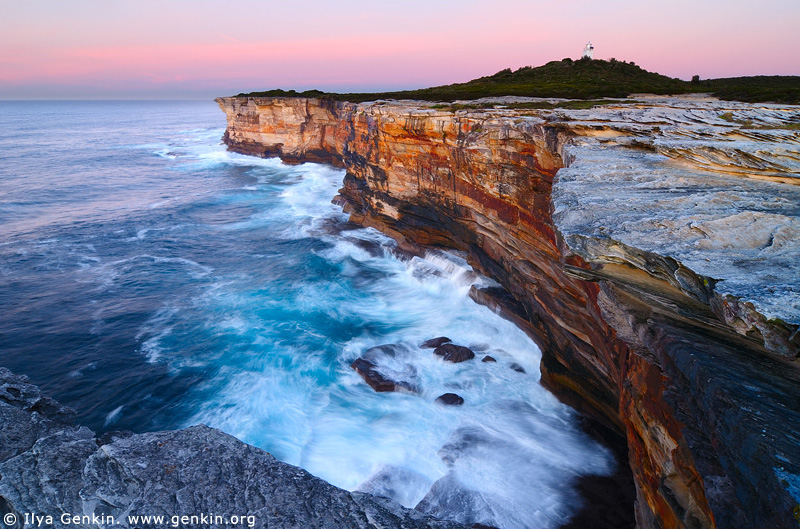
450,498
401,485
387,351
433,343
450,399
377,380
518,368
51,466
454,353
373,248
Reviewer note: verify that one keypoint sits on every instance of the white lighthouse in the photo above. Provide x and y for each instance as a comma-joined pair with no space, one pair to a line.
588,51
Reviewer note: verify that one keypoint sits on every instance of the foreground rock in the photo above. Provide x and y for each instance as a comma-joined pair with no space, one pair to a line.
454,353
650,247
50,466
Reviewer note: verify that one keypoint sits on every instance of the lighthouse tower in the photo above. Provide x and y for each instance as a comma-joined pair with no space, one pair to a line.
588,51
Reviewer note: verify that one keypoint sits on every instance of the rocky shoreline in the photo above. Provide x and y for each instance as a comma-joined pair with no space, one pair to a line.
53,471
650,248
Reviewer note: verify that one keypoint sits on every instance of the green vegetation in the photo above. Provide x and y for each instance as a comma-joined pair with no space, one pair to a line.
575,104
728,116
777,88
583,79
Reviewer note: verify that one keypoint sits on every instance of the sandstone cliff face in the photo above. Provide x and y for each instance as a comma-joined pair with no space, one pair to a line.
701,380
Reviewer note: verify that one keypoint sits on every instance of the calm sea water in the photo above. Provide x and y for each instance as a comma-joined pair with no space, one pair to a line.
152,280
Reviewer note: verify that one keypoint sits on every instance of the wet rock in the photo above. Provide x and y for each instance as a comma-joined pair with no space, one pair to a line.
518,368
423,270
433,343
454,353
449,498
335,226
488,358
339,200
377,381
402,485
382,352
464,441
373,248
403,254
195,470
450,399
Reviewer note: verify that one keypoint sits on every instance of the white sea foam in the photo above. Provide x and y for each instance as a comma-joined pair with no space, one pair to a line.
105,274
153,332
113,417
77,373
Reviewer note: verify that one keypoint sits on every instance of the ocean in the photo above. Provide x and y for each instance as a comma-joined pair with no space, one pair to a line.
152,280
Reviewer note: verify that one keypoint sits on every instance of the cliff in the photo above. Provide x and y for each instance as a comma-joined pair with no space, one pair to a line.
65,476
650,248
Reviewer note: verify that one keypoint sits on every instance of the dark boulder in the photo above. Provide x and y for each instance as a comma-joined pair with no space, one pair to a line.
450,399
454,353
488,358
377,380
433,343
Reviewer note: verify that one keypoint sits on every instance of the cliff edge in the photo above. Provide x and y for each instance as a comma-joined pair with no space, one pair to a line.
650,247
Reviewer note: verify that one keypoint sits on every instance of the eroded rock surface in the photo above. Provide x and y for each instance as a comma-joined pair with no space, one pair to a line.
50,466
719,196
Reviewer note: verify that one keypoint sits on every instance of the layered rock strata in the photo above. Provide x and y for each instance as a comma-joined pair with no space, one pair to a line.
650,248
66,476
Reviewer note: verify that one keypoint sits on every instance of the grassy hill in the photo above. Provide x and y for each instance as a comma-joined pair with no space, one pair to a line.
780,89
582,79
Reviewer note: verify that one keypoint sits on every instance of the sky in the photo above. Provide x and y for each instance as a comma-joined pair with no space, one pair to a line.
200,49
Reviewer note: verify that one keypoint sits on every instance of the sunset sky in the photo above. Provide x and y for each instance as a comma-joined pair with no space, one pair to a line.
85,49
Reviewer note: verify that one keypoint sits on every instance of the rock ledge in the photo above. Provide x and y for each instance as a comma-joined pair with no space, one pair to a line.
52,467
